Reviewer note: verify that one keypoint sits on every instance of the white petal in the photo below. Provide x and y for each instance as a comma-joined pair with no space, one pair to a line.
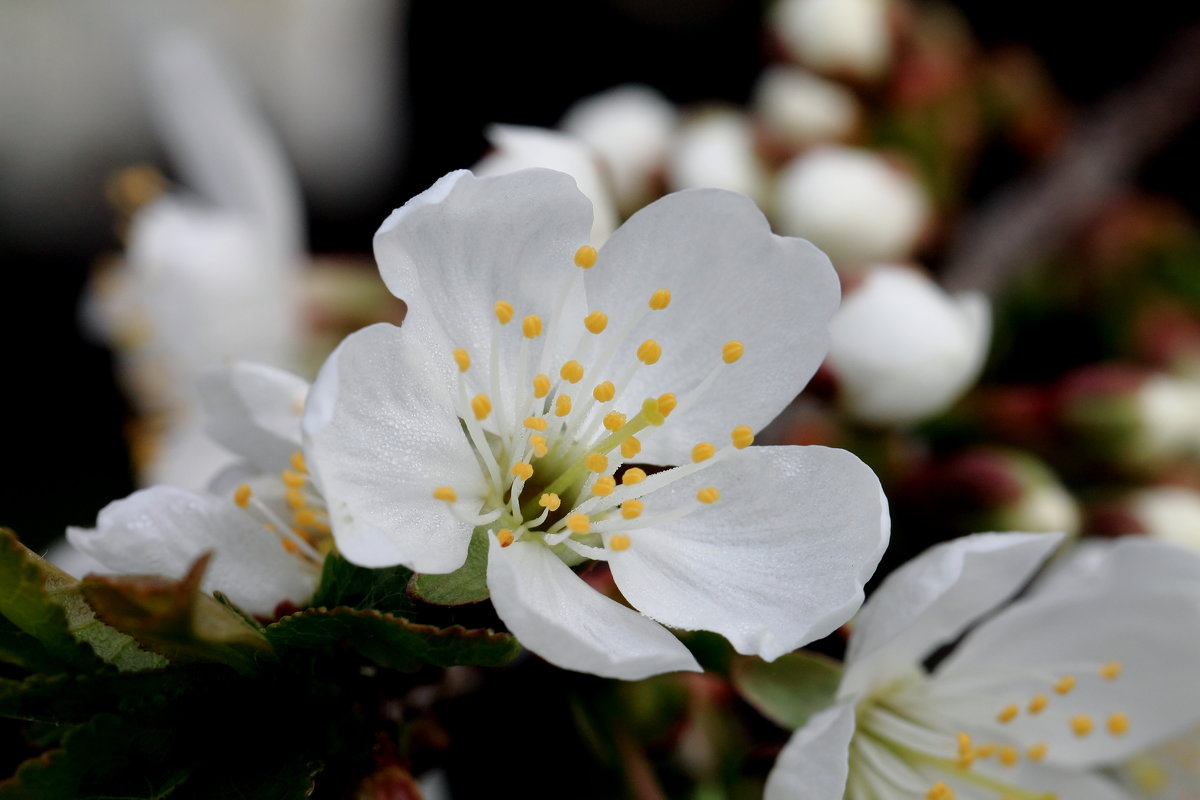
778,561
1134,611
163,530
815,762
72,561
382,433
254,410
930,601
558,616
730,278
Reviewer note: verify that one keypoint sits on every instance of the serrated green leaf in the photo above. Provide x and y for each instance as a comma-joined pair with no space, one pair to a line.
467,584
789,689
392,641
346,584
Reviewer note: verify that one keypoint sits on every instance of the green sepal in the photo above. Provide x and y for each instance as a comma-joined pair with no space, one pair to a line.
789,689
390,641
176,619
467,584
346,584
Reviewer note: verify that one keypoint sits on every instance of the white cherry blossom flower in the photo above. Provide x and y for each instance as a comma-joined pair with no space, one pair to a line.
263,522
1090,667
533,373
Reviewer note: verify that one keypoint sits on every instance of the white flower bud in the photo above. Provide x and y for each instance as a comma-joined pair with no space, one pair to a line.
715,148
852,204
838,36
903,349
1169,411
1169,513
799,108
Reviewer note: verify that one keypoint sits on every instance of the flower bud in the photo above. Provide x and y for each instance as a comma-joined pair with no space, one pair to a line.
798,108
844,37
715,148
1168,513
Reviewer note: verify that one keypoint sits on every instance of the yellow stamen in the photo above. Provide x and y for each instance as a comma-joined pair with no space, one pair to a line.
732,351
618,542
604,486
1065,684
964,743
1038,704
614,420
742,437
504,311
632,509
309,519
940,791
666,404
1008,755
649,352
633,475
1037,752
481,405
522,470
1118,724
572,372
295,500
585,257
504,537
550,501
290,546
709,495
241,495
1081,725
1111,670
462,359
539,445
541,386
1008,713
445,493
703,452
596,462
596,322
293,480
578,523
630,447
535,423
604,392
985,750
531,326
298,462
562,405
660,299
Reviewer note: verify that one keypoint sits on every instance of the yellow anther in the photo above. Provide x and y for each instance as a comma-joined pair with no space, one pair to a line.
1008,755
732,351
709,495
1065,684
445,493
660,299
1038,704
293,480
596,462
562,405
1111,670
535,423
742,437
578,523
633,475
504,537
541,386
504,311
522,470
1037,752
618,542
585,257
290,547
666,404
940,791
308,518
1008,713
630,447
1118,724
481,404
703,452
572,372
531,326
298,463
604,486
649,352
985,751
462,359
632,509
241,495
965,760
964,743
295,499
614,420
604,392
596,322
550,501
539,445
1081,725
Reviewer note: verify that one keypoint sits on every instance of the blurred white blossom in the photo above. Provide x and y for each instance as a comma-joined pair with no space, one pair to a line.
798,108
843,37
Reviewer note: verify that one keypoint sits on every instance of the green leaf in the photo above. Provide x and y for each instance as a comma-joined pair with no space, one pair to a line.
73,699
346,584
19,648
390,641
176,619
789,689
467,584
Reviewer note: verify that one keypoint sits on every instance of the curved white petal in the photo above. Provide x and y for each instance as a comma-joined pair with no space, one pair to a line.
730,278
163,530
814,763
452,251
382,433
778,561
1138,614
254,410
930,600
558,616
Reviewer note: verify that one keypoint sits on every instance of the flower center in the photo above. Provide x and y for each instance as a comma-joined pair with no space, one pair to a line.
291,493
556,440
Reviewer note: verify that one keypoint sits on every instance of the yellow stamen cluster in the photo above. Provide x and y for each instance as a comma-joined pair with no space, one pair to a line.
940,791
